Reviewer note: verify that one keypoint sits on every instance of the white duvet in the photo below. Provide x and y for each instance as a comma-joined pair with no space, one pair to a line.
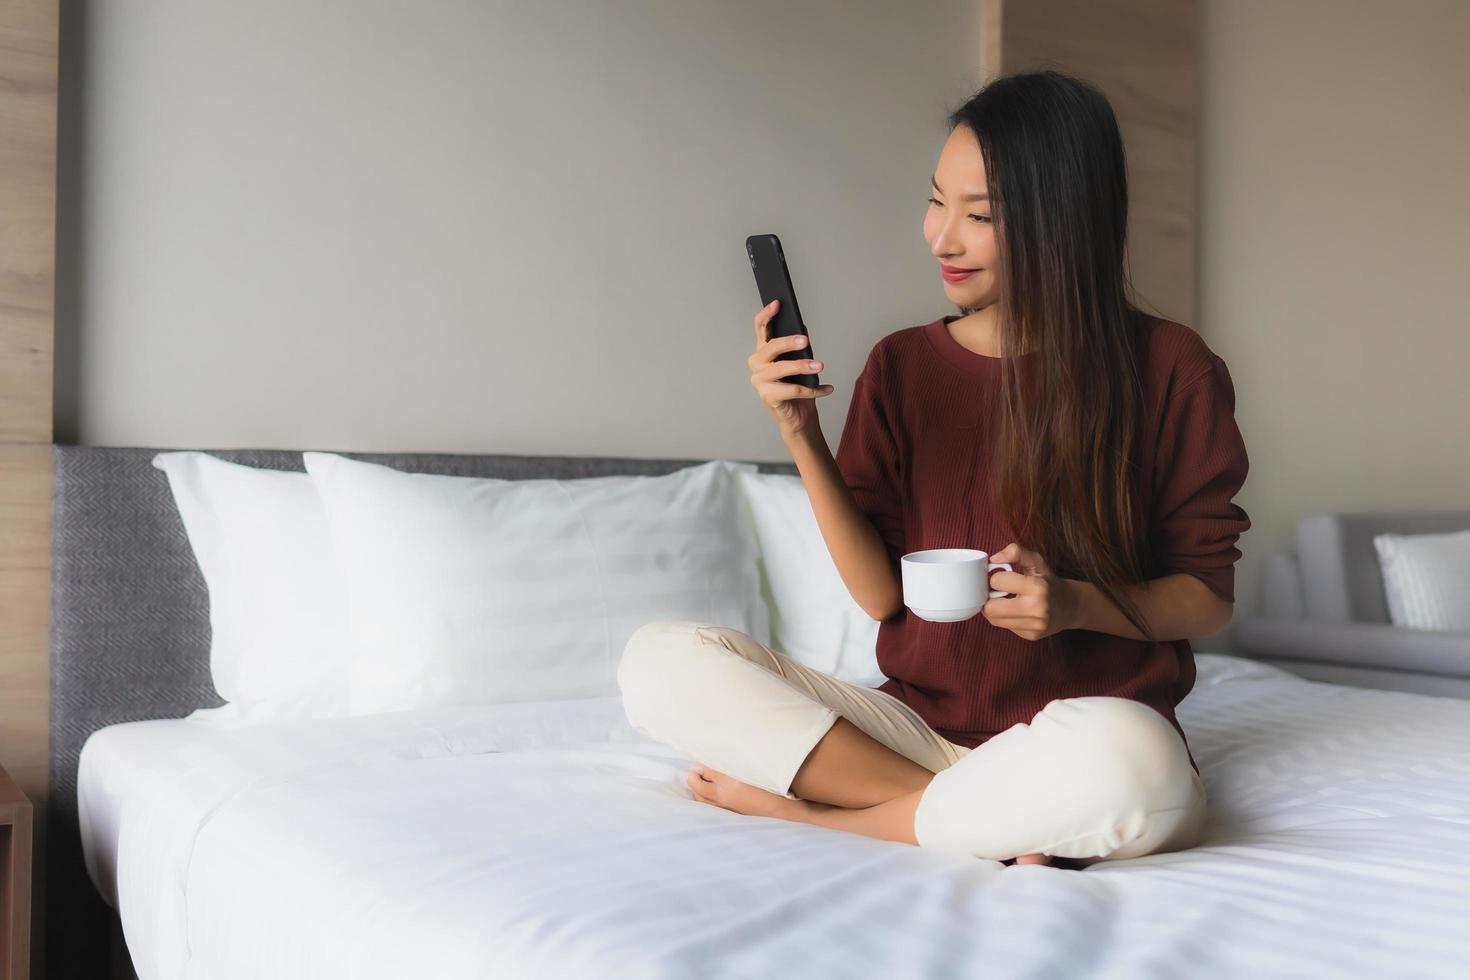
552,840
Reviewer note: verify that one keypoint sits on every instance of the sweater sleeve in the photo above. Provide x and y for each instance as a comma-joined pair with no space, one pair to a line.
1200,465
868,457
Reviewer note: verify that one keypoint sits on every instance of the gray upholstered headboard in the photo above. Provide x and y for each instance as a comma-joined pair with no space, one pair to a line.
130,623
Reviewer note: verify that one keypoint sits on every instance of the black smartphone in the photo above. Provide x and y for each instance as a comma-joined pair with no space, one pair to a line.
773,279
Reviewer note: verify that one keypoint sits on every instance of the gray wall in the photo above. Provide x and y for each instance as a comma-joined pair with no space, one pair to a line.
1334,231
516,227
485,225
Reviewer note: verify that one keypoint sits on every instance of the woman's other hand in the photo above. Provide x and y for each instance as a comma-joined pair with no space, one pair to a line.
793,406
1042,603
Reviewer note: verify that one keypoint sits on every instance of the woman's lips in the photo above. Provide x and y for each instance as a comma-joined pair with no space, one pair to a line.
953,273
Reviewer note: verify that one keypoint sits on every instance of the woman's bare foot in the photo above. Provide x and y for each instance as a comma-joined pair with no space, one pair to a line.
888,821
713,786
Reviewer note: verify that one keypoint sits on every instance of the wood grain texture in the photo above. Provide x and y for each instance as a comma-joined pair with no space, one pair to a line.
16,817
28,89
992,15
1144,55
28,32
25,609
25,606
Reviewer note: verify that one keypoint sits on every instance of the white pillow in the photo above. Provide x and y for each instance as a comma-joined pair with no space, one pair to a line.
278,648
1427,579
814,619
469,590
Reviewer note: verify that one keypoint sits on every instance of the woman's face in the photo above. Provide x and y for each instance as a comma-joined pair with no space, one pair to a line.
958,226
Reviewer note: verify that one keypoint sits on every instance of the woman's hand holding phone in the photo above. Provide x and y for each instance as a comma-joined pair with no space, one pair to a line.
793,406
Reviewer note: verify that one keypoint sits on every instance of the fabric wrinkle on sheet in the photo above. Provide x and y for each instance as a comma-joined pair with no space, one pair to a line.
1339,817
1087,777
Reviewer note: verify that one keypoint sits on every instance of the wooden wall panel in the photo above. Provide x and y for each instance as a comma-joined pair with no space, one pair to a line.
27,208
28,73
25,561
1144,54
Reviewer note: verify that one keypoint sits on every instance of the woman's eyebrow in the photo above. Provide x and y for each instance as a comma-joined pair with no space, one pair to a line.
963,197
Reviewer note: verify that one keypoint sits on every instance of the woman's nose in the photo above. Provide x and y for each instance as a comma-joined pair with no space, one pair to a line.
946,242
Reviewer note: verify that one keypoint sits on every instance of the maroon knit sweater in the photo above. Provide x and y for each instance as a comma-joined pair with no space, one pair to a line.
913,453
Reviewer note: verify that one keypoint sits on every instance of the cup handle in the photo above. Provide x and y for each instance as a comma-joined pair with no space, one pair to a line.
998,593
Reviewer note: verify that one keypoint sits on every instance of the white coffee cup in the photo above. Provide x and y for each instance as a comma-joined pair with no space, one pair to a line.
947,585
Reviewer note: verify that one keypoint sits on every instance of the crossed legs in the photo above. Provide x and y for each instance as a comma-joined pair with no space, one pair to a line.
741,708
1087,778
849,781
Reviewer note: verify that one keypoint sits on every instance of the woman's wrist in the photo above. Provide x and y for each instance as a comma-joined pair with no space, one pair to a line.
1096,612
1176,606
808,438
1084,604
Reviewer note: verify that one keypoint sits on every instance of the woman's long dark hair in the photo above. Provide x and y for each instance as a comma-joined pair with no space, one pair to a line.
1064,469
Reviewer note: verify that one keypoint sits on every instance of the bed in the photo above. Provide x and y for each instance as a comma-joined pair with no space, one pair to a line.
549,839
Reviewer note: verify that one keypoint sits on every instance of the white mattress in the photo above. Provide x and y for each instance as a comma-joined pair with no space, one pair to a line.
551,840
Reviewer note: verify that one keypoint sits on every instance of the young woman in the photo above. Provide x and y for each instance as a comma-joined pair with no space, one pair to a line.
1051,422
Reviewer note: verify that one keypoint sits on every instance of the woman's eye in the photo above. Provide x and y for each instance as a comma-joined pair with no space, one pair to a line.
982,219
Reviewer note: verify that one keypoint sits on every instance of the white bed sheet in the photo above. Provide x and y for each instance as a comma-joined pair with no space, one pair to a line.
552,840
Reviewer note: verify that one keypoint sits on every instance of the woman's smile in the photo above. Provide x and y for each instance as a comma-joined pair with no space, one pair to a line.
953,273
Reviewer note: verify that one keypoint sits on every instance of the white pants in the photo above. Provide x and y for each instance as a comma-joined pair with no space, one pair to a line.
1089,777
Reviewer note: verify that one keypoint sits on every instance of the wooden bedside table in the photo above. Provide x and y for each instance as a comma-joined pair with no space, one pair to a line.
15,881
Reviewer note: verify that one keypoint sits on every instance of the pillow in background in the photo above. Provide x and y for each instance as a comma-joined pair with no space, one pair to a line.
814,619
260,538
1426,578
470,590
